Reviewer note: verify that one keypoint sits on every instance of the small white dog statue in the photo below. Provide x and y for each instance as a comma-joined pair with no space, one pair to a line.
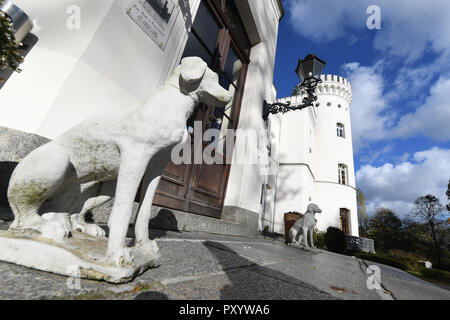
117,148
298,233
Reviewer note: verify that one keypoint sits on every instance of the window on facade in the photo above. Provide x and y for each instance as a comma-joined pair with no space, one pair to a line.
340,130
342,174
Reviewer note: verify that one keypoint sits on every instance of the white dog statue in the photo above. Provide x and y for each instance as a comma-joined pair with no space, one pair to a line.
298,233
77,166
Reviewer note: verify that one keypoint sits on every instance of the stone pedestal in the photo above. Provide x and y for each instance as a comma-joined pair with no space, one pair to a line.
81,255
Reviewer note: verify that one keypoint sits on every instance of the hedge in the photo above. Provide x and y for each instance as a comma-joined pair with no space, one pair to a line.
435,274
335,240
381,259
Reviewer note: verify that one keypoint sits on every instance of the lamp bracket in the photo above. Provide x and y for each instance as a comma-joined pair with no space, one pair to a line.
308,101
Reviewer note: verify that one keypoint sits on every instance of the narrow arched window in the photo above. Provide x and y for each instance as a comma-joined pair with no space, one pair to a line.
340,130
342,174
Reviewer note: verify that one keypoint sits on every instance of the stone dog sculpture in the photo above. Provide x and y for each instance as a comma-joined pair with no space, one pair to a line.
299,231
111,147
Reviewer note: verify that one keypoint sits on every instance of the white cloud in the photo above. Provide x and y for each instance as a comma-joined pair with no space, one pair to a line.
322,20
432,119
408,28
369,107
409,31
401,208
412,27
374,114
397,186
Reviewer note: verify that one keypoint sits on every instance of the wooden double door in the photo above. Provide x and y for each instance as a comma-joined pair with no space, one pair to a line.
218,37
345,220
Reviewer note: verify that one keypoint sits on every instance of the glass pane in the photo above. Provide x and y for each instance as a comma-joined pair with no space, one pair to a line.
229,79
318,67
206,27
232,70
307,67
237,27
233,66
195,49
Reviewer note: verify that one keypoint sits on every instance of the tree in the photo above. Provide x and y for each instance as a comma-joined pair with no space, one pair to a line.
429,211
414,237
9,47
363,218
385,228
448,195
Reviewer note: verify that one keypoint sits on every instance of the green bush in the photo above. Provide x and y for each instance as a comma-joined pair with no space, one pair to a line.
319,239
9,48
381,259
435,274
445,261
335,240
409,259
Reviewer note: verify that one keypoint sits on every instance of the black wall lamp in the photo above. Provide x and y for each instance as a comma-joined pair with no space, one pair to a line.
309,71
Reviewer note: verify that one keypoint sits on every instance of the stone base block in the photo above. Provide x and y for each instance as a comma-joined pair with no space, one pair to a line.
81,255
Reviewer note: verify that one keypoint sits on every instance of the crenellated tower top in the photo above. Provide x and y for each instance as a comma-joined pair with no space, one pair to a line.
331,84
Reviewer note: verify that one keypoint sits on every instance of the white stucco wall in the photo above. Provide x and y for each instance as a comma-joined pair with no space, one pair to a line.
110,64
107,64
268,215
246,178
310,152
330,197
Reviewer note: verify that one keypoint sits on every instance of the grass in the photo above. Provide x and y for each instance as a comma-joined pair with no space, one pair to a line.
435,276
418,274
381,259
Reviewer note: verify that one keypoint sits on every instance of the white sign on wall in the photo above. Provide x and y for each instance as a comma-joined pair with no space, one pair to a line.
155,17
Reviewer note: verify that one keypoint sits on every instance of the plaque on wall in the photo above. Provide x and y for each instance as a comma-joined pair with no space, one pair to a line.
155,17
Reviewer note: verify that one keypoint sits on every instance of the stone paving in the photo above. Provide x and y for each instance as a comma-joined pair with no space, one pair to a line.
205,266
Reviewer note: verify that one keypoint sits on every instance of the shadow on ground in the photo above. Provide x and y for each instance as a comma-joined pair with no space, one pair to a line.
151,295
257,282
164,221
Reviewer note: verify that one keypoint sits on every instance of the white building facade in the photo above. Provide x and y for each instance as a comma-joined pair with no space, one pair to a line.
314,153
84,58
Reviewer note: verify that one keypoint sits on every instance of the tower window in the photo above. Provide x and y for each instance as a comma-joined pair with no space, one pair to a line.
342,174
340,130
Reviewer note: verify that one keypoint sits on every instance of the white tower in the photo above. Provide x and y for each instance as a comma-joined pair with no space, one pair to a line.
316,158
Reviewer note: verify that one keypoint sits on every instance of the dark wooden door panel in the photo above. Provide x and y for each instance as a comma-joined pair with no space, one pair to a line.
345,220
204,209
209,178
168,201
173,187
176,173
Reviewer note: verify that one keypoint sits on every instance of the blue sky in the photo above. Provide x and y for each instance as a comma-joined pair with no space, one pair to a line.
400,76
